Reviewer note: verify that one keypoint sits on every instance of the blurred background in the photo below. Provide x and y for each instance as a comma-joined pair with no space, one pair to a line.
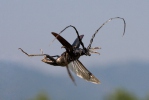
122,66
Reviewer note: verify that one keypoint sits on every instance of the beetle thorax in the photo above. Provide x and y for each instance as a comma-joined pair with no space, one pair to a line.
63,59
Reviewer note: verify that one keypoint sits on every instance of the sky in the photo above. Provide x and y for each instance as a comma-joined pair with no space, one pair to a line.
28,24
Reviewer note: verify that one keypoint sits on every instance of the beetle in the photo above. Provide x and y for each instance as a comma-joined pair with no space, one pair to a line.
70,58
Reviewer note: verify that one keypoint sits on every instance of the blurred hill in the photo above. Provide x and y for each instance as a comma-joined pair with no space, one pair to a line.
18,82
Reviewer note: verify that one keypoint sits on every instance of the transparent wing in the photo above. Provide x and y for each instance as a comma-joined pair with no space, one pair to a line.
78,68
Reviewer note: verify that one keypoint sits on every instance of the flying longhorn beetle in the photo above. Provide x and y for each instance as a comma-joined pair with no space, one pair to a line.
70,58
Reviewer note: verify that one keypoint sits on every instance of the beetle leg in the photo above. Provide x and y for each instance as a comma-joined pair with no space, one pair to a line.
30,55
70,75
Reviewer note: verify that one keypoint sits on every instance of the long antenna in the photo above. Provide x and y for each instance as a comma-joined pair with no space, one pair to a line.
102,26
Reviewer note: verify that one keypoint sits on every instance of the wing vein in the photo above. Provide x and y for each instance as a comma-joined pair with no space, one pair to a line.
79,69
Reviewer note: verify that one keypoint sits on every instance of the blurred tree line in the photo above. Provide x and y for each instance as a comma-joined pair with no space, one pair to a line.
122,94
119,94
41,96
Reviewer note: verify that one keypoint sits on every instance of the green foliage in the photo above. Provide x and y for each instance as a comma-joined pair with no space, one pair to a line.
121,94
41,96
147,97
118,94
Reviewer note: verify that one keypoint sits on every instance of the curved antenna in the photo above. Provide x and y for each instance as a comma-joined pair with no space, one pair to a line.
102,26
76,32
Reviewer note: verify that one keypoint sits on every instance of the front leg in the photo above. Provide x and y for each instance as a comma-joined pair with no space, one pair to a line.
30,55
47,58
